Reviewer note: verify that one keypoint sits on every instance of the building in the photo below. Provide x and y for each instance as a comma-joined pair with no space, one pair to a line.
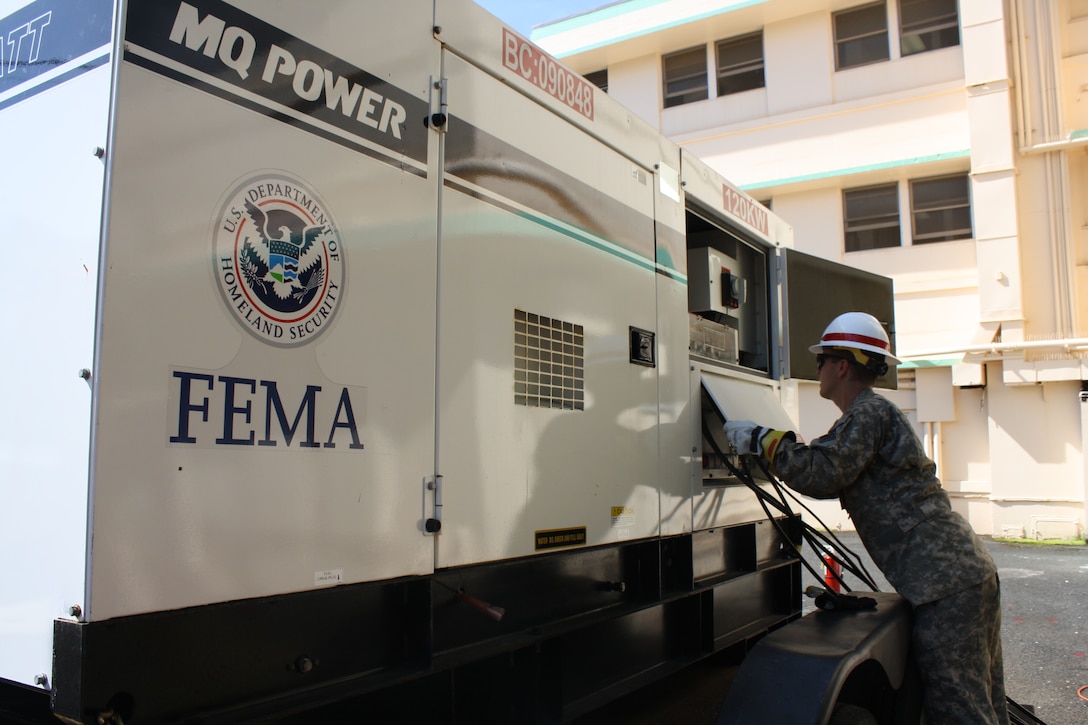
939,143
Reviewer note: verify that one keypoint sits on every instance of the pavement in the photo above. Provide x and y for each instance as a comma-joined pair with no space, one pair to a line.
1044,628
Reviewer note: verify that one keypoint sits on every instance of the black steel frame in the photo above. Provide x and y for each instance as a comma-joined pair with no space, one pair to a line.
580,627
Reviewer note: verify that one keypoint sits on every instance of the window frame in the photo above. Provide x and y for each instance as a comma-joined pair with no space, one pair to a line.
841,42
669,97
598,78
933,26
950,234
748,67
854,227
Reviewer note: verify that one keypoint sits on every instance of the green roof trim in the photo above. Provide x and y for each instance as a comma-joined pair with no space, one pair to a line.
623,8
832,173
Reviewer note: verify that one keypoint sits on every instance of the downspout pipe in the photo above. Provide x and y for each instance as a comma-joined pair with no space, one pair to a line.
1072,141
1037,73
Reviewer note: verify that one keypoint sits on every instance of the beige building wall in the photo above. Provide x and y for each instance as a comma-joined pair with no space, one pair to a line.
994,328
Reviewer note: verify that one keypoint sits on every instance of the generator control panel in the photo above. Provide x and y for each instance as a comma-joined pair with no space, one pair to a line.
715,283
728,295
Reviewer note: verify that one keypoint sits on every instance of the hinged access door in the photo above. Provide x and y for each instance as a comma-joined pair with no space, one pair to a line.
547,353
265,374
814,292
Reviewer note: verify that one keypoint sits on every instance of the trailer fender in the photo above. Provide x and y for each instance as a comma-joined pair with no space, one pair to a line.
801,672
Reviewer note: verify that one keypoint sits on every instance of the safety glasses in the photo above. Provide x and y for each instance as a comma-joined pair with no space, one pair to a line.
824,357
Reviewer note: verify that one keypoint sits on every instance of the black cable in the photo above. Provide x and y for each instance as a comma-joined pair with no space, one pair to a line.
831,542
764,499
818,540
813,536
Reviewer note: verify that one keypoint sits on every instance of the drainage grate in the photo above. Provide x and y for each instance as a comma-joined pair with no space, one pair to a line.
549,358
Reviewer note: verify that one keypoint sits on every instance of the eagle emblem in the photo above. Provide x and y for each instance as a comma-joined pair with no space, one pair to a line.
281,263
278,259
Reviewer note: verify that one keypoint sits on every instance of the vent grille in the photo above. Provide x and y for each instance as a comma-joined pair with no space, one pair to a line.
549,357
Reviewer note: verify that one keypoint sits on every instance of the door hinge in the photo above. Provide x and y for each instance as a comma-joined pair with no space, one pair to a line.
439,105
432,505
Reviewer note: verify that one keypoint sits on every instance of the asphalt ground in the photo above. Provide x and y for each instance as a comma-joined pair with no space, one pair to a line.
1044,596
1044,628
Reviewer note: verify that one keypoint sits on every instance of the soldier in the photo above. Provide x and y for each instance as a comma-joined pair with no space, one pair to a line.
873,462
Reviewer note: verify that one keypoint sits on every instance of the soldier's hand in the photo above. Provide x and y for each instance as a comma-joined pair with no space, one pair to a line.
739,433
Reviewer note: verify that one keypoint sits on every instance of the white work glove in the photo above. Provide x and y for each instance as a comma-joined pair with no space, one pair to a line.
751,439
740,434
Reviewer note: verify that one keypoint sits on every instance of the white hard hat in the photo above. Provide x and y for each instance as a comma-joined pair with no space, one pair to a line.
856,331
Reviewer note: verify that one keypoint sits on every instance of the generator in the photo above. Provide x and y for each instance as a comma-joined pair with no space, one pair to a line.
375,371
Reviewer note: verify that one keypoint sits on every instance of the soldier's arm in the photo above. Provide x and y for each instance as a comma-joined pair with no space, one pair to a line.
827,465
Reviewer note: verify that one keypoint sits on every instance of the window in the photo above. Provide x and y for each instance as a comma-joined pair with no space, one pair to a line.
861,35
927,25
599,78
685,77
740,64
940,209
871,217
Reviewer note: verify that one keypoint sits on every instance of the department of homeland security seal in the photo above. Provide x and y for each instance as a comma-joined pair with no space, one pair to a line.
278,259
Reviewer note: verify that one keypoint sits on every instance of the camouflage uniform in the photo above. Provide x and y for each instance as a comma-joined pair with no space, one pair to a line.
872,460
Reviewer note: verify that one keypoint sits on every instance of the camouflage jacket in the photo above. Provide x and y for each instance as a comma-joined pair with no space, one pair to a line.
873,461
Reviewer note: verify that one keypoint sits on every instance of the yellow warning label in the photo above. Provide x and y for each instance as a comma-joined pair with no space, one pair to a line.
623,516
556,538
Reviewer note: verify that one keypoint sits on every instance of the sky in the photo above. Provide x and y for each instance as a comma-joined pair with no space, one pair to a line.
522,15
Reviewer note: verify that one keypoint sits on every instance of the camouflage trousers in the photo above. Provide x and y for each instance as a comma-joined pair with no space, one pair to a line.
957,645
